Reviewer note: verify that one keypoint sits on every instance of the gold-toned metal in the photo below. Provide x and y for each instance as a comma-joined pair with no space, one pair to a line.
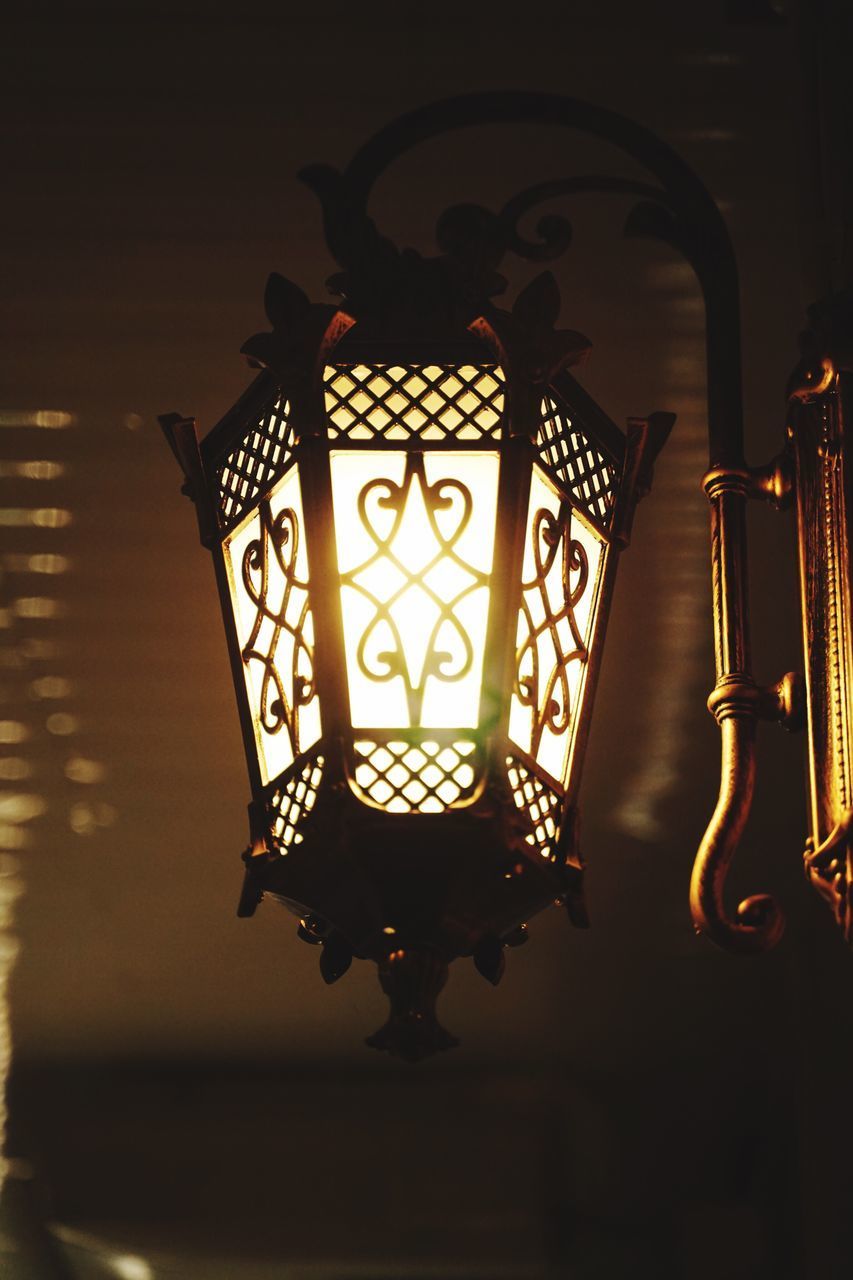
820,407
813,471
758,924
774,482
737,703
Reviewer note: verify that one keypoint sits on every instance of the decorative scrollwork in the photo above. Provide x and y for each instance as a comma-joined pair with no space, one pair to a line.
447,496
546,690
282,693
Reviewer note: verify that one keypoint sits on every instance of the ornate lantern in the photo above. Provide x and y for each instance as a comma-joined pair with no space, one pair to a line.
416,533
415,514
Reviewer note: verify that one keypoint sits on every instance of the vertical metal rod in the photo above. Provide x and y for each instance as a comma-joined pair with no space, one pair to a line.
735,702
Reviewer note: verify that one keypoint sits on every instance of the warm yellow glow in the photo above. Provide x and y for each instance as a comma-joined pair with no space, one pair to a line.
295,799
61,724
50,419
422,777
35,469
14,836
51,687
38,649
267,567
43,562
86,819
38,517
13,731
415,538
80,769
36,607
554,626
20,807
127,1266
539,803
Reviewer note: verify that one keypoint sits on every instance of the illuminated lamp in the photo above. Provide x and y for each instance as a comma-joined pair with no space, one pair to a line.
415,513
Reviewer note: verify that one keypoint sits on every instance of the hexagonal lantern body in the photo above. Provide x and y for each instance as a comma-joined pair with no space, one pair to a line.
415,540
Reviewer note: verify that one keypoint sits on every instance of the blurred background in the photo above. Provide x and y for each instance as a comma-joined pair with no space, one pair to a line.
185,1097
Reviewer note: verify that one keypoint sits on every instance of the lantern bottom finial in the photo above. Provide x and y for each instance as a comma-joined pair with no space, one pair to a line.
412,978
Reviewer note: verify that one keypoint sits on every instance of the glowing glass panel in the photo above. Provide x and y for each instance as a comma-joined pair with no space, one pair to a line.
415,537
267,567
563,563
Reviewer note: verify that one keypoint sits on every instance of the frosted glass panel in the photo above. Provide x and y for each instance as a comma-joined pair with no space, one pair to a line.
563,562
267,567
415,538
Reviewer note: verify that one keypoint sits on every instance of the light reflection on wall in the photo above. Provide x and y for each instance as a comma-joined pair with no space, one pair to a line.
36,693
90,1255
681,555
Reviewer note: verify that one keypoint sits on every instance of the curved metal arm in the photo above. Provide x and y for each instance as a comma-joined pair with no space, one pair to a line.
682,213
691,220
556,232
760,923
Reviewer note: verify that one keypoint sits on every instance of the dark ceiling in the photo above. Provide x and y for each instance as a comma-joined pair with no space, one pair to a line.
187,1086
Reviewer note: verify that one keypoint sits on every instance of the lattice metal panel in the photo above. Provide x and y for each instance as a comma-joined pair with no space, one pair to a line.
422,777
402,402
539,804
289,804
575,462
262,455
